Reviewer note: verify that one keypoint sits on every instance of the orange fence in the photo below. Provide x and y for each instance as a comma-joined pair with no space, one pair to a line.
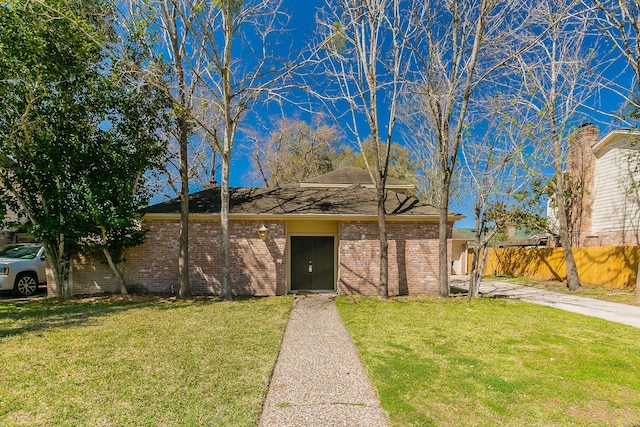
610,267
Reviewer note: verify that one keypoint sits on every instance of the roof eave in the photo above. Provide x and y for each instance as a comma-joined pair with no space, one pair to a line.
284,217
611,136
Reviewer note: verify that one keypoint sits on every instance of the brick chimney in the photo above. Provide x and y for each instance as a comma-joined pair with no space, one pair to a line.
211,185
581,169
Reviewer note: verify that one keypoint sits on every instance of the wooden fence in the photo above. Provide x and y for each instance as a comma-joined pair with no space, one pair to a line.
610,267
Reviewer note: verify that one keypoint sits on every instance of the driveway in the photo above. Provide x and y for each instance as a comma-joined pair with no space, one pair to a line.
620,313
10,296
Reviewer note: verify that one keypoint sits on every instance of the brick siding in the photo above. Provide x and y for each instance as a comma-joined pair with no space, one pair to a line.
259,267
581,168
413,258
611,239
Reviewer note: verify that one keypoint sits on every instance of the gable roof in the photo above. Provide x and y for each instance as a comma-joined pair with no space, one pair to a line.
352,175
631,134
353,201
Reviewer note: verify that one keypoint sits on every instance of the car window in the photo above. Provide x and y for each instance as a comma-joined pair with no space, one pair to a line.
18,251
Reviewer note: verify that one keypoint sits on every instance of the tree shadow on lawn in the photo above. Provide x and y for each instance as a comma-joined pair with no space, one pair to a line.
40,315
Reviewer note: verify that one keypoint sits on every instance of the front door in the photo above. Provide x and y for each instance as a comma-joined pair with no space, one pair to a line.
312,265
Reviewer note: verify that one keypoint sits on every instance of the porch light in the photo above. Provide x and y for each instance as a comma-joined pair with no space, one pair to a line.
262,232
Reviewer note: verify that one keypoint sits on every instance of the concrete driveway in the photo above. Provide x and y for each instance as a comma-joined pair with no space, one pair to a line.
620,313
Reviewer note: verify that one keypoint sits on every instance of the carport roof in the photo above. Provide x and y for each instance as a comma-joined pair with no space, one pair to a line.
354,200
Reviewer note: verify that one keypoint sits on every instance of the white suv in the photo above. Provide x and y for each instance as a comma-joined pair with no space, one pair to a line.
22,267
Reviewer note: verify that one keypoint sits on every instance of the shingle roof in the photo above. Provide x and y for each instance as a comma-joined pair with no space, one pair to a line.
291,201
351,175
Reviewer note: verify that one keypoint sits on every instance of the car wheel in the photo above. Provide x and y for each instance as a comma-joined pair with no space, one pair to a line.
26,284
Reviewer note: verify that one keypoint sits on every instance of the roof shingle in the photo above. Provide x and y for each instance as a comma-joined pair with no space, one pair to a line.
351,175
352,200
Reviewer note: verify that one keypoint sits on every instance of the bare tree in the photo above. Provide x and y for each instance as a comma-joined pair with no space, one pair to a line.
557,79
216,60
619,23
428,176
294,150
363,58
458,44
493,168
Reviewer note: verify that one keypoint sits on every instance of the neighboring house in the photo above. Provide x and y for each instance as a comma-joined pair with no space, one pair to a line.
518,238
605,207
14,233
534,241
320,235
460,250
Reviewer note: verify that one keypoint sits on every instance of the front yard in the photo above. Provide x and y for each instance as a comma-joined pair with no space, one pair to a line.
138,361
155,362
495,362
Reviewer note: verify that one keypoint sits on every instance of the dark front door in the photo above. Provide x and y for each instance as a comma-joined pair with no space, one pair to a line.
312,263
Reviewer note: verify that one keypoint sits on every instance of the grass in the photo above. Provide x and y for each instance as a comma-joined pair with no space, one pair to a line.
622,296
495,362
138,361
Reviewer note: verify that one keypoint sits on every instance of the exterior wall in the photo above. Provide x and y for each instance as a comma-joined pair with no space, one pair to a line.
616,210
413,258
256,267
259,267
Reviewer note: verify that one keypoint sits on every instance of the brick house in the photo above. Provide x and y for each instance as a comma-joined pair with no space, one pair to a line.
320,235
605,207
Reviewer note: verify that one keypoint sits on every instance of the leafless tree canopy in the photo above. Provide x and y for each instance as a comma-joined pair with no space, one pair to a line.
293,151
457,47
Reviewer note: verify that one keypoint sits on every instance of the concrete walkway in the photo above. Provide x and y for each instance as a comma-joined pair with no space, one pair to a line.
620,313
319,379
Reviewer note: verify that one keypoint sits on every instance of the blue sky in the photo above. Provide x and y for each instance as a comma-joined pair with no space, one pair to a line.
301,30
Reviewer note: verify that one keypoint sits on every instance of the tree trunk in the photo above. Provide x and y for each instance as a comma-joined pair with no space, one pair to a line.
227,144
481,264
473,280
638,284
117,272
184,289
573,280
383,285
61,268
114,268
225,292
63,279
443,258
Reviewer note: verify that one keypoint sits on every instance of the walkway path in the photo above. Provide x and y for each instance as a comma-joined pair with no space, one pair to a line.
615,312
319,379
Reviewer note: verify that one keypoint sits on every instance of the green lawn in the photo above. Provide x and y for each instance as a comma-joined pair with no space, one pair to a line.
495,362
138,362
